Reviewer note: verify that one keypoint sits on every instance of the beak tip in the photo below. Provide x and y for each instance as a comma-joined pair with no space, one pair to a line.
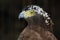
21,15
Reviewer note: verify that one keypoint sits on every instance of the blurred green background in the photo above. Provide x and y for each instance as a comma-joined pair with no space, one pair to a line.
10,26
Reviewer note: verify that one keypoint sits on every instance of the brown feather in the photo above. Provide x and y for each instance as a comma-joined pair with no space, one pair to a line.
37,30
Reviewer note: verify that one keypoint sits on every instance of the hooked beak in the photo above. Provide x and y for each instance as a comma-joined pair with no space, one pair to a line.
21,15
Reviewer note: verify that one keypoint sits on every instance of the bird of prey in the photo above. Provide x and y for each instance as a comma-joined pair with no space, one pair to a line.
39,24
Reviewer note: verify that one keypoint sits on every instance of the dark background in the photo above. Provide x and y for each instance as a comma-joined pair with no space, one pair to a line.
10,26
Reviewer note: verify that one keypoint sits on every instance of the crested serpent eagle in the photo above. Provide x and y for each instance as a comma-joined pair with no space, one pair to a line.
39,24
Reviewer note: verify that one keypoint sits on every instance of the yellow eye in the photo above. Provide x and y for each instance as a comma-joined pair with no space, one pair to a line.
29,13
32,12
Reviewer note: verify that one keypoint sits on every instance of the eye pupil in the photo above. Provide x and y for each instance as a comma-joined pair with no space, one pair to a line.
31,12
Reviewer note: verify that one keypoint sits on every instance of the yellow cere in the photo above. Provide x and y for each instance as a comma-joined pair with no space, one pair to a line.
29,13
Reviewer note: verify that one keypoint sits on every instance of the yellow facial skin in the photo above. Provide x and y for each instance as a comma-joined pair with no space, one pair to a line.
29,13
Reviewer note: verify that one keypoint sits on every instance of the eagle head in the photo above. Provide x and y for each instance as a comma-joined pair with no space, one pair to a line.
33,10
